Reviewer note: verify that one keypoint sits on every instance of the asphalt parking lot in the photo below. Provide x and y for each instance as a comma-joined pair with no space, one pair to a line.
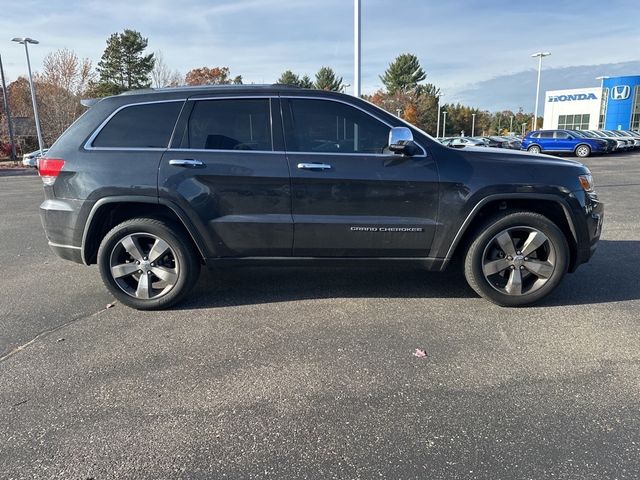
294,373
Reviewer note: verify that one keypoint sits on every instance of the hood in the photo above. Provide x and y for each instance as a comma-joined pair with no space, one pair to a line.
514,156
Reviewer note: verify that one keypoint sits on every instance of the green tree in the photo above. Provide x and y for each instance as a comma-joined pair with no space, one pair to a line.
306,82
403,74
123,65
326,79
289,78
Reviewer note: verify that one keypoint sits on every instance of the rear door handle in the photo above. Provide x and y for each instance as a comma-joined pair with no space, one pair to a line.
186,162
314,166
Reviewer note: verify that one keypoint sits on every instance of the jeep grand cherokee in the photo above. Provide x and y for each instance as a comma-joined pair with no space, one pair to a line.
152,185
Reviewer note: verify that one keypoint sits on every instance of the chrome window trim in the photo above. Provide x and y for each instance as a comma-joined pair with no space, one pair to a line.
205,150
89,143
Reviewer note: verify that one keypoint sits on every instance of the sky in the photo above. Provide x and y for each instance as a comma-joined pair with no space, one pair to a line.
476,51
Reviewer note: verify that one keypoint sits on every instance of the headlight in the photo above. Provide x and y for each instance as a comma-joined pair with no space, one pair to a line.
586,182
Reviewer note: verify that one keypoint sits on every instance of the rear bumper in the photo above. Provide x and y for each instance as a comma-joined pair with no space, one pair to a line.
59,220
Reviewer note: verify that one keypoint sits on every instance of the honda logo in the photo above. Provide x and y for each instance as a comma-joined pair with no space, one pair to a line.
620,92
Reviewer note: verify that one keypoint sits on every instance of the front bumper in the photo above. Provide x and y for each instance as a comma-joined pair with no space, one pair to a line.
588,221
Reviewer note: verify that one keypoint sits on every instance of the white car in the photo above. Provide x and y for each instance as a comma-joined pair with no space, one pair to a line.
31,159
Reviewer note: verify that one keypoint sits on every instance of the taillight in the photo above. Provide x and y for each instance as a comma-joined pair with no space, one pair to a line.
49,169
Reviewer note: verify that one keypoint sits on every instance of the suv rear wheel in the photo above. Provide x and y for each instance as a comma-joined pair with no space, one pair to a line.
517,259
147,263
534,149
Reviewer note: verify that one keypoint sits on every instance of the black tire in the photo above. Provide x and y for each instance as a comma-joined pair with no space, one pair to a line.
486,254
583,151
534,149
179,263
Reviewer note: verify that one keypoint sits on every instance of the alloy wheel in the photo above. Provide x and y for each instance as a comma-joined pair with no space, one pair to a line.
144,266
519,261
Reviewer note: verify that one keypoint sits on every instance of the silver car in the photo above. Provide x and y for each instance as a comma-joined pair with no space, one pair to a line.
31,159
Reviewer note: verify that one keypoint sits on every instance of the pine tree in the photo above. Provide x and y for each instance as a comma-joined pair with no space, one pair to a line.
326,79
123,65
289,78
403,74
306,82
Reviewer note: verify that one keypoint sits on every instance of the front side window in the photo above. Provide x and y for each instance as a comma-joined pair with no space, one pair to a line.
324,126
140,126
233,124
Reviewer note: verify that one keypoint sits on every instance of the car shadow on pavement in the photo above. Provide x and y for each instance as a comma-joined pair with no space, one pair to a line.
256,285
608,277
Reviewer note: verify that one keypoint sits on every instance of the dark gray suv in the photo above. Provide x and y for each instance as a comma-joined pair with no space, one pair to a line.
151,185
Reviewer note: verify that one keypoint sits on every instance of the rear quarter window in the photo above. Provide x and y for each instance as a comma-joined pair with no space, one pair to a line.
140,126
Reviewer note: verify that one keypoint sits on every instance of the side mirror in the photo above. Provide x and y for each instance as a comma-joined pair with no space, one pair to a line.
401,141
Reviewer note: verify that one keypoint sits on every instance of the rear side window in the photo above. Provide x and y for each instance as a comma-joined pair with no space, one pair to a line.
234,124
140,126
547,134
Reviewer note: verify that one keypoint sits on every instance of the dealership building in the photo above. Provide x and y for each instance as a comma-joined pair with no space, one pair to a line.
615,106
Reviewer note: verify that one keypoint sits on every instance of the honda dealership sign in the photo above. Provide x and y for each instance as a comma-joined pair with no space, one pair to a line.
620,92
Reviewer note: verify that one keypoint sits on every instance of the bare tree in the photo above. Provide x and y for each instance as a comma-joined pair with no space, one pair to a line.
59,88
176,79
160,74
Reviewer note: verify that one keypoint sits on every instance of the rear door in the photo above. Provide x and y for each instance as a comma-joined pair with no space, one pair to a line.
226,167
546,141
564,142
350,197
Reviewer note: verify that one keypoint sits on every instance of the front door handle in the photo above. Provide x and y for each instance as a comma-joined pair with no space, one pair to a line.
186,162
314,166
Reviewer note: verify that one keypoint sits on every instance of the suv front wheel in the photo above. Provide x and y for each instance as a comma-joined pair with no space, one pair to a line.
148,263
583,151
517,259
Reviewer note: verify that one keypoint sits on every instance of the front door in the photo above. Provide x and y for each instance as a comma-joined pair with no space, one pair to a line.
350,196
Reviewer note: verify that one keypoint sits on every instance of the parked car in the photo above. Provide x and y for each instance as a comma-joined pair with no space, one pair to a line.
624,144
460,142
493,142
31,159
628,136
562,141
612,145
152,185
511,142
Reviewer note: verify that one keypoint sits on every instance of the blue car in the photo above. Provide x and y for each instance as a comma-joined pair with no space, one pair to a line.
563,141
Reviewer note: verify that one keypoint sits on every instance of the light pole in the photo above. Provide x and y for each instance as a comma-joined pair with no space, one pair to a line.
473,124
540,55
438,122
5,99
444,122
25,41
511,126
356,47
523,127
